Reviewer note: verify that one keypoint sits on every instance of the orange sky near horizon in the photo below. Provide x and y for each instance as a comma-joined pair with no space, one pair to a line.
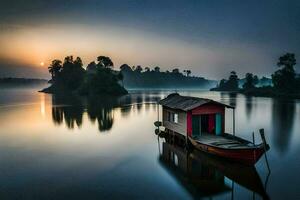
33,45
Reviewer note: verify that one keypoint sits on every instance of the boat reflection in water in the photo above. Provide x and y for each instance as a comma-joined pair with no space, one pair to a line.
203,175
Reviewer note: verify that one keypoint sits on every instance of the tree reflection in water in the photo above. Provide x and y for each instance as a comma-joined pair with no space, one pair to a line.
249,105
283,121
101,110
70,109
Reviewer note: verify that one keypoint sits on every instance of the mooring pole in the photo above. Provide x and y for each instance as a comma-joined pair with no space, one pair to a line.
233,121
158,112
263,138
158,145
232,190
253,138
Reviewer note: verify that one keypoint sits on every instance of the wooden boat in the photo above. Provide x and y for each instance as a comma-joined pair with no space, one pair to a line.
230,147
201,122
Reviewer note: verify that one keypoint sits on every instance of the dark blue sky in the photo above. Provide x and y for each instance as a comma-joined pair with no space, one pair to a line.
228,35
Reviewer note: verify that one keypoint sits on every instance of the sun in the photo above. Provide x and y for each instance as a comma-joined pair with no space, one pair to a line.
42,64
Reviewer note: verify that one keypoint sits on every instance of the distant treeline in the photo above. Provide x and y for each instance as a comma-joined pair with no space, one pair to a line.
20,81
259,82
285,81
137,77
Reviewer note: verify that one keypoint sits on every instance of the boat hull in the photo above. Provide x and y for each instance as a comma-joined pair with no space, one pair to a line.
248,156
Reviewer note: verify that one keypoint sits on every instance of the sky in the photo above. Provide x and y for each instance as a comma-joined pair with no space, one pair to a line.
211,38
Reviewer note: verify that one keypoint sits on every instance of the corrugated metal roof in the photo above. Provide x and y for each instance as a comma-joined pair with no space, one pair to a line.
186,103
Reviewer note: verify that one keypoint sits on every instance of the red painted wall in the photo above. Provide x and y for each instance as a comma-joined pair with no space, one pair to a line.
206,109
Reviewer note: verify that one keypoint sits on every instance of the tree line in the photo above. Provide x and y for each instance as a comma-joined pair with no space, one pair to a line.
139,77
284,80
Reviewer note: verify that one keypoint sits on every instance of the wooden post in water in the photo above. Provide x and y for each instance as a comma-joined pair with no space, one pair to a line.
253,138
232,189
233,121
157,112
262,135
263,138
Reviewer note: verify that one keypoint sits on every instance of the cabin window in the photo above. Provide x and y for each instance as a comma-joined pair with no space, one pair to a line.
169,116
175,118
172,117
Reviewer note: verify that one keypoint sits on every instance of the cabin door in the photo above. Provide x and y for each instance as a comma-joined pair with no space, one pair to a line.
218,124
196,125
204,123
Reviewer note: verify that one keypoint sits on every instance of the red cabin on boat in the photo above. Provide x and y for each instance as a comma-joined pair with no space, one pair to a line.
192,116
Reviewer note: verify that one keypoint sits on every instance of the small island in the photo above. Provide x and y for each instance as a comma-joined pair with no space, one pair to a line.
97,79
284,82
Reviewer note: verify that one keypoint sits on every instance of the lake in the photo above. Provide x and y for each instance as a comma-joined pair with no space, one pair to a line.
62,147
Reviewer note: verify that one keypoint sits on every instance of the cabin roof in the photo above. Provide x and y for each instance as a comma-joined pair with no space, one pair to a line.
186,103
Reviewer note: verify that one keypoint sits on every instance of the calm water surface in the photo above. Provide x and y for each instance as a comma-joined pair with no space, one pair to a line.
55,147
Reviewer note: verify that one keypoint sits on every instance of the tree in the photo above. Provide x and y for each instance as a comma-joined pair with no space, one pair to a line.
233,82
68,59
55,68
78,63
125,68
157,69
176,71
138,69
91,68
187,72
104,62
285,79
222,83
288,60
147,69
250,81
72,73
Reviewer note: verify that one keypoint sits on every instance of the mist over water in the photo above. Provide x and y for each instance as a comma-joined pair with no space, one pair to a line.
61,147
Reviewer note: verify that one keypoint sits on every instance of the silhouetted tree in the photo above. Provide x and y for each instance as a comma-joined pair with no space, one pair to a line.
147,69
222,83
228,85
105,62
176,71
233,82
55,68
78,63
72,73
288,61
138,69
250,81
157,69
187,72
91,68
285,79
125,68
